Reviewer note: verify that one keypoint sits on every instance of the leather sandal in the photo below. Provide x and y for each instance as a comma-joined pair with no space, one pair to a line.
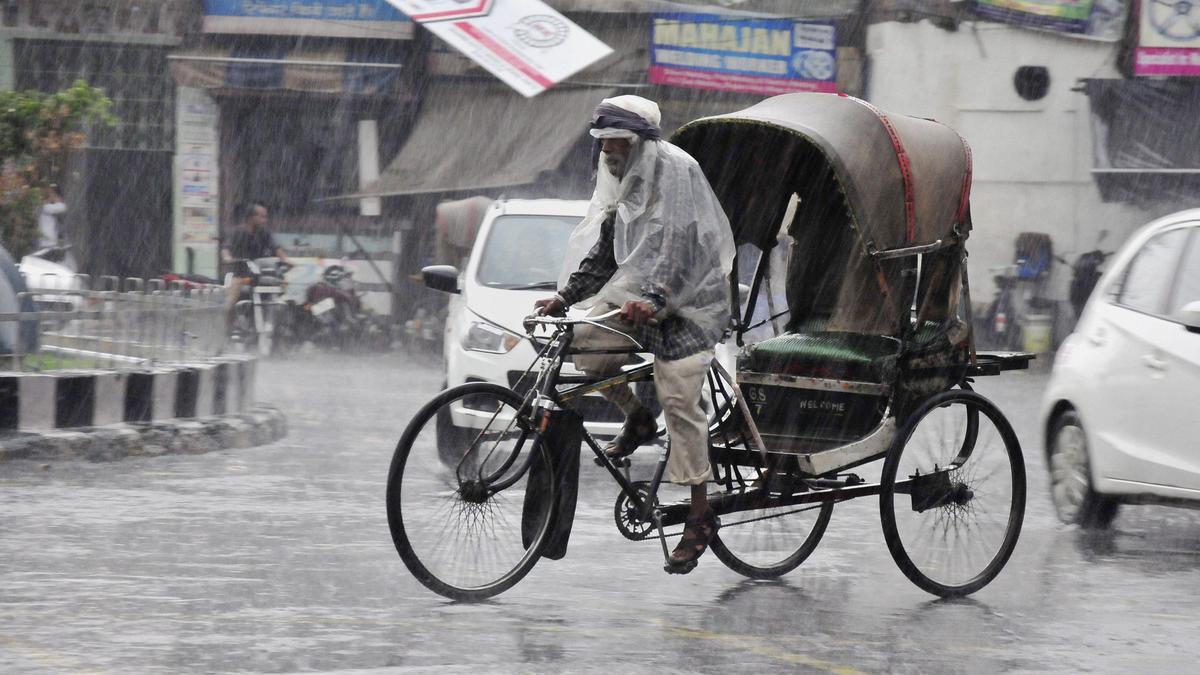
698,534
639,428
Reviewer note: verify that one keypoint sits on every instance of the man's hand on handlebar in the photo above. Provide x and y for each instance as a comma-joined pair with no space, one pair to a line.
550,307
636,312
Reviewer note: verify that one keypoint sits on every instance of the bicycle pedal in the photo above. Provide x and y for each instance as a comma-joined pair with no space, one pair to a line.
620,463
681,568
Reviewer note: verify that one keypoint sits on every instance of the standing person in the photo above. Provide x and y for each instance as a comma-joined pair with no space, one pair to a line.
663,251
50,231
252,239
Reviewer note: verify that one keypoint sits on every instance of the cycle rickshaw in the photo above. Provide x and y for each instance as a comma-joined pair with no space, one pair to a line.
873,361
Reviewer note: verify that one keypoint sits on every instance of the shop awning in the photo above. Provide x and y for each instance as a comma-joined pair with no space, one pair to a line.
323,71
478,136
1145,139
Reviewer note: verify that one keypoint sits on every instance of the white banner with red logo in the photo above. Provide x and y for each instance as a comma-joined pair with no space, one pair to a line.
525,43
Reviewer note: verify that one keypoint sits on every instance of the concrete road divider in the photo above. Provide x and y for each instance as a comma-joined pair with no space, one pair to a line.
257,426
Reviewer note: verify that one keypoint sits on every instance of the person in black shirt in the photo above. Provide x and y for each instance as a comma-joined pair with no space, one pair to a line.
250,240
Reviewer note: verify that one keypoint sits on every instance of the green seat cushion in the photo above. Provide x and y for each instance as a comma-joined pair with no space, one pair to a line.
836,355
927,332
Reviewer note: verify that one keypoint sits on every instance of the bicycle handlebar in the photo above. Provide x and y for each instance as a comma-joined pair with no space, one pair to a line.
540,319
563,320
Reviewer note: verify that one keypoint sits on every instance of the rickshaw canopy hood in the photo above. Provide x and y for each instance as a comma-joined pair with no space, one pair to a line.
906,180
860,187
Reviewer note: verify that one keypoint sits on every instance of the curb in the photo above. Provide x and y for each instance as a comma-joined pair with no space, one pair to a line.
257,426
69,399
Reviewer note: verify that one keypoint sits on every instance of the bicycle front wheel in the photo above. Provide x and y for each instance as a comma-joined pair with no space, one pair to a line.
467,514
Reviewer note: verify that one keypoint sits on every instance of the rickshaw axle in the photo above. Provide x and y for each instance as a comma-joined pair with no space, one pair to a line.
935,489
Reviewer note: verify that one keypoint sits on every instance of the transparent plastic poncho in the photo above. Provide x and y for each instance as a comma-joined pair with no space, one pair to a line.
670,237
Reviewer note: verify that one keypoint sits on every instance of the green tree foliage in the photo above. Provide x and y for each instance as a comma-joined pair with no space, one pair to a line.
38,132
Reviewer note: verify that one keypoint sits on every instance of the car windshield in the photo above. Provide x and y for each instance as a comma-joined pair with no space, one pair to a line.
524,251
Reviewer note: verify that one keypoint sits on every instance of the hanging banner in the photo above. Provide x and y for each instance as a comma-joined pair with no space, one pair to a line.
1096,19
755,56
1168,40
526,44
326,18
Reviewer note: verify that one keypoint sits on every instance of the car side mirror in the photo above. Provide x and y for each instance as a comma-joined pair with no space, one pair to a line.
1191,316
442,278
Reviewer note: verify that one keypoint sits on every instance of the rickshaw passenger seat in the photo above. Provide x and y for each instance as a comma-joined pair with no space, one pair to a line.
833,355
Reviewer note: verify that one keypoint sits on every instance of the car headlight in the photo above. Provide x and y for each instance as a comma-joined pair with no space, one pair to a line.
482,337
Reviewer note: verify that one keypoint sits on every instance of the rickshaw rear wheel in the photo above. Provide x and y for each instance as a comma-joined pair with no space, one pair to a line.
952,495
459,507
770,541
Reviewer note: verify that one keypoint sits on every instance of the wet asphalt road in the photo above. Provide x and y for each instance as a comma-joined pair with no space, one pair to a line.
278,559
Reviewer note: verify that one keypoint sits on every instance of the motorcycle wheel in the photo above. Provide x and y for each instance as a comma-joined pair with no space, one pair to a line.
242,332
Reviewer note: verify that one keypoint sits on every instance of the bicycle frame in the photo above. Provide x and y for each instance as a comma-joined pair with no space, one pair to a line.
546,397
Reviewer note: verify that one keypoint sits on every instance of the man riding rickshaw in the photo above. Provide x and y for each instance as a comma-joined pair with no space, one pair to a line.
873,361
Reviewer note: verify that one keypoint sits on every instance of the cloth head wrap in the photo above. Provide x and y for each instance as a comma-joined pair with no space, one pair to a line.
612,116
631,117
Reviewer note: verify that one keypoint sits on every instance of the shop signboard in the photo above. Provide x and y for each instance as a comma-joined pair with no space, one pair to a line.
196,180
526,44
1096,19
756,56
325,18
1168,39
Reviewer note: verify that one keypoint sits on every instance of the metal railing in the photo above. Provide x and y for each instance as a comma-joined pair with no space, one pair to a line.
122,324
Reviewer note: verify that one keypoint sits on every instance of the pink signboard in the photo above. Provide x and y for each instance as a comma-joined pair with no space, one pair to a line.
1165,61
750,84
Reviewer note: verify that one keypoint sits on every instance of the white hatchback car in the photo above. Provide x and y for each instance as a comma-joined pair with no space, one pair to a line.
1121,414
515,260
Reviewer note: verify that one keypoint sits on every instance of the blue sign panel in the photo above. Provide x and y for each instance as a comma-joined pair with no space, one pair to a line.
341,10
760,56
327,18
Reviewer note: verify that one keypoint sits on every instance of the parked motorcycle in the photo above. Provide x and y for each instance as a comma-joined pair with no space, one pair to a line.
256,311
1019,292
423,332
333,316
1085,273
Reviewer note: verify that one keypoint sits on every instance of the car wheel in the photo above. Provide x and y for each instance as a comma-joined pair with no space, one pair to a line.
1075,501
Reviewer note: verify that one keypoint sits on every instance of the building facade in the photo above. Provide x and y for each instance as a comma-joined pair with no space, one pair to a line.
1033,150
118,187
